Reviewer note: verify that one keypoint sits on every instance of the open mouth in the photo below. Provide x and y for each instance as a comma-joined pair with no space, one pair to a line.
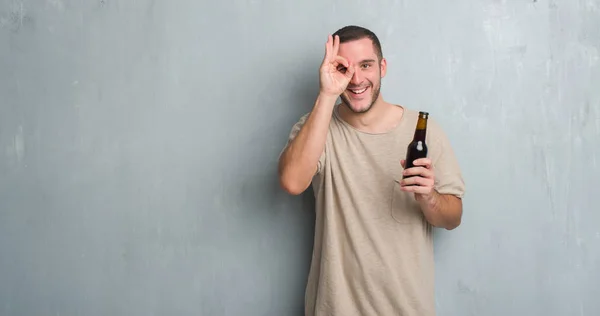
358,91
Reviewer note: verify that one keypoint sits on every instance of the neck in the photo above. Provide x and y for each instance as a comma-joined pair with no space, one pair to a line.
381,118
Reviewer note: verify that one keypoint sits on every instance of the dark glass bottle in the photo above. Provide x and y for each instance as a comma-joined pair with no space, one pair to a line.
417,148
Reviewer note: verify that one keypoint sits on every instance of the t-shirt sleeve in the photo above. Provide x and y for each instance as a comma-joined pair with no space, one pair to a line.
448,176
294,132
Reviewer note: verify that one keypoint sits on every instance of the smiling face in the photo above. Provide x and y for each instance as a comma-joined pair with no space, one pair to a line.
363,90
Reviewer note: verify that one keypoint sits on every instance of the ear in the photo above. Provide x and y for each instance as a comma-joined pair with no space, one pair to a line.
383,67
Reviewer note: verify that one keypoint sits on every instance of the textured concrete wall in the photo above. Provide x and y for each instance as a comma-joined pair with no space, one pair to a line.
139,140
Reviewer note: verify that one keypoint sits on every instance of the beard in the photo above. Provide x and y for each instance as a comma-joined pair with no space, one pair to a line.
374,98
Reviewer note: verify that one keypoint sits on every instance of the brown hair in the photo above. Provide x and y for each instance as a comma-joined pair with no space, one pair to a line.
353,32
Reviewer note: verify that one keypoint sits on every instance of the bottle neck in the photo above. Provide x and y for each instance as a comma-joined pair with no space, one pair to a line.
420,135
421,130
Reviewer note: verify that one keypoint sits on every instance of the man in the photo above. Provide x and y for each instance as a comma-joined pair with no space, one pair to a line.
373,252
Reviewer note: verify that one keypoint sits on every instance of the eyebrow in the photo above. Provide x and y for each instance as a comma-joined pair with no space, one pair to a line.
367,61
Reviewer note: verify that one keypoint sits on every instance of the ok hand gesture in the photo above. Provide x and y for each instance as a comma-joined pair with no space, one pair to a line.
335,72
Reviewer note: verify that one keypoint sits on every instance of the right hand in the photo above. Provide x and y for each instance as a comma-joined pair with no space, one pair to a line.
335,72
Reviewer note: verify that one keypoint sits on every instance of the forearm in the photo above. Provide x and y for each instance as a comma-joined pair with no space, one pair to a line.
442,210
298,162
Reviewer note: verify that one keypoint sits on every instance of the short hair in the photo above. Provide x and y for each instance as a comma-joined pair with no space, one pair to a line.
354,32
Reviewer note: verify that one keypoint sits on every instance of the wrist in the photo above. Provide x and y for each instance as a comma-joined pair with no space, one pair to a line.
427,200
327,98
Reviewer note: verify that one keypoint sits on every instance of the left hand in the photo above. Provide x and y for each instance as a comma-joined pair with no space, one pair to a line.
423,178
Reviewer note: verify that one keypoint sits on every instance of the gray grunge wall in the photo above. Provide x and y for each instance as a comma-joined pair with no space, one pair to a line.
139,142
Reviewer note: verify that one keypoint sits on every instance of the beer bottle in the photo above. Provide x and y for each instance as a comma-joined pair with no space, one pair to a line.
417,148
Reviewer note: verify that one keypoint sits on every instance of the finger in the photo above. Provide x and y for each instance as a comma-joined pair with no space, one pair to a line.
425,162
417,181
339,60
417,171
407,189
350,71
403,163
411,188
415,189
336,45
328,48
421,162
412,181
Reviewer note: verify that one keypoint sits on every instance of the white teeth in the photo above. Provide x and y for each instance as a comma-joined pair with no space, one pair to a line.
359,91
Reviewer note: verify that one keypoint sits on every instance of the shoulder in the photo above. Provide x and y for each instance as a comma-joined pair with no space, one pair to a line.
334,122
436,131
440,146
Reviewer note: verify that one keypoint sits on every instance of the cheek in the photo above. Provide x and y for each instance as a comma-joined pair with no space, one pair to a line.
374,79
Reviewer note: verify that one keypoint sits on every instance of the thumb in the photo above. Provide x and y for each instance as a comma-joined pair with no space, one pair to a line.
403,163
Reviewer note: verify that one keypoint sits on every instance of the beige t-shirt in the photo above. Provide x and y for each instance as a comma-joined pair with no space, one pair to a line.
373,249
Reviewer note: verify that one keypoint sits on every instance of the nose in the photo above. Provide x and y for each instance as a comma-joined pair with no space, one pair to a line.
357,77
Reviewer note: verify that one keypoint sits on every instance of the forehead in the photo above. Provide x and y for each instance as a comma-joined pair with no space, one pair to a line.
358,50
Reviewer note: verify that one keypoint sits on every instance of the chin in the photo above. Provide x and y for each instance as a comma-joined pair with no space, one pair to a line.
360,109
361,106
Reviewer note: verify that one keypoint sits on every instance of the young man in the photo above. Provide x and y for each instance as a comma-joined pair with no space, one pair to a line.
373,251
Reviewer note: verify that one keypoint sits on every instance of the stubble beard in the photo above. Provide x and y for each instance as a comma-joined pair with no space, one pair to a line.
347,102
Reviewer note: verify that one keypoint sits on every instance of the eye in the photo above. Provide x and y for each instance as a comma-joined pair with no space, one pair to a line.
365,66
341,69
